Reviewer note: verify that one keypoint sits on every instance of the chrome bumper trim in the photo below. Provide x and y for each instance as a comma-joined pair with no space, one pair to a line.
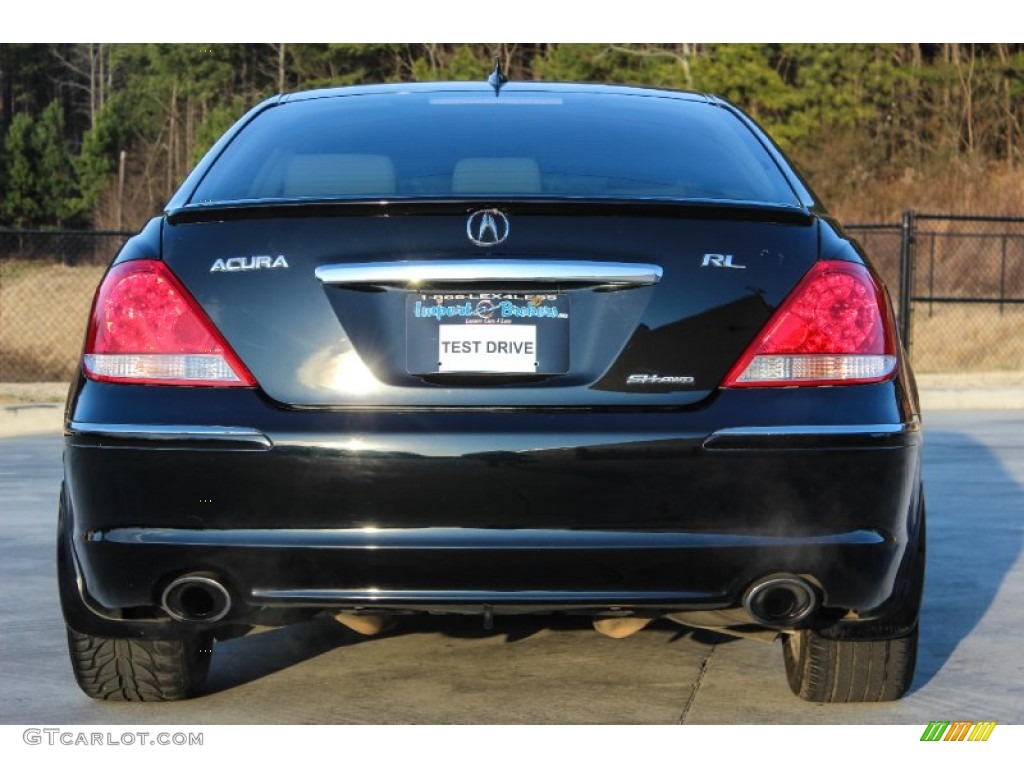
819,430
170,432
470,539
441,597
815,437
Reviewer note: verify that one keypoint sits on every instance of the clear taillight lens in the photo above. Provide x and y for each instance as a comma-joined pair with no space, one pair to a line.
834,328
147,329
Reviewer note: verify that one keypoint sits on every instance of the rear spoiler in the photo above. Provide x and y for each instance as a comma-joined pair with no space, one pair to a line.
326,207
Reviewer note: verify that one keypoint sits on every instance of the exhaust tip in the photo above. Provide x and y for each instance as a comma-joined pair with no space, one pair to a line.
780,601
196,598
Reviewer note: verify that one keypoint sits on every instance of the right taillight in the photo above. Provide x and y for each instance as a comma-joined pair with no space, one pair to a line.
147,329
834,328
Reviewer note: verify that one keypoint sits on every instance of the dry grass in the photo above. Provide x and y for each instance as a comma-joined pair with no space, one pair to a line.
964,191
43,312
950,338
859,187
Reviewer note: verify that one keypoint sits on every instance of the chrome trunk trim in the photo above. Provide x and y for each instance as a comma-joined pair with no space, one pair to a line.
414,274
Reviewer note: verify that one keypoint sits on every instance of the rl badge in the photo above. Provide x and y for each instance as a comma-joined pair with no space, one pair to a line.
491,348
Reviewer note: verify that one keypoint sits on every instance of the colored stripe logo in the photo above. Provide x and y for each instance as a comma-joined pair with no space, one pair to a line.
958,730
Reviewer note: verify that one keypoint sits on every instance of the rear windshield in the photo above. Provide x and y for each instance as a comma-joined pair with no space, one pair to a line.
521,144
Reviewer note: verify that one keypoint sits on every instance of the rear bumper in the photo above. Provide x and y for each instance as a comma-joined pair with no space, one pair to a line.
503,511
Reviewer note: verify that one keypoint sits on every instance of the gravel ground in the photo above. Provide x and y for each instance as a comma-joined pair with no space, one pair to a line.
34,392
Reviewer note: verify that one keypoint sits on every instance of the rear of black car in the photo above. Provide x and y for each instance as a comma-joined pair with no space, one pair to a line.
553,348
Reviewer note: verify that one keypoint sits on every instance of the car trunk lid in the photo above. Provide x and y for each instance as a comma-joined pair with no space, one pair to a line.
578,305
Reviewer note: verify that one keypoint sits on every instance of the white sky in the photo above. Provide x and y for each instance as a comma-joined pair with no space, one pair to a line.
506,20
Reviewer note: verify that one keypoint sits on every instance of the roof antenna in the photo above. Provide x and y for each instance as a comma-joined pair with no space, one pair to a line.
497,78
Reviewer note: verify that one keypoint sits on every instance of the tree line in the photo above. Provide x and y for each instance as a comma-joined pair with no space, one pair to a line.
99,135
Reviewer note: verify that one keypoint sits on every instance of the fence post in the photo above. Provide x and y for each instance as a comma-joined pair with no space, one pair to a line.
907,236
1002,276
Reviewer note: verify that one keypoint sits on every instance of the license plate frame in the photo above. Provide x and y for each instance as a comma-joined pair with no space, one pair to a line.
463,333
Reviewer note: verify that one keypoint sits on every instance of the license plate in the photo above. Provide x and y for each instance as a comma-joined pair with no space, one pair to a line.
487,333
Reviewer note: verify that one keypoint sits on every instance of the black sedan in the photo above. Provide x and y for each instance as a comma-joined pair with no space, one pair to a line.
492,348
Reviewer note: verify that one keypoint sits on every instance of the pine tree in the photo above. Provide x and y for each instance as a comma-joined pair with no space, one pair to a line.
56,185
3,174
20,205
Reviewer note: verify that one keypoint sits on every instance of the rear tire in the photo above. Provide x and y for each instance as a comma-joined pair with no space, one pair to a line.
840,667
845,671
118,669
123,669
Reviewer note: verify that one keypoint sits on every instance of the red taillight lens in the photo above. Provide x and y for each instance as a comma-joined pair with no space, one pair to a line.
147,329
834,328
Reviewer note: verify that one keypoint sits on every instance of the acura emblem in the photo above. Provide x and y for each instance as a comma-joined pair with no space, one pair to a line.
487,227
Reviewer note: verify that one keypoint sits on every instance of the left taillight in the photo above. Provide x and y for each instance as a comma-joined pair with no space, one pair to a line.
147,329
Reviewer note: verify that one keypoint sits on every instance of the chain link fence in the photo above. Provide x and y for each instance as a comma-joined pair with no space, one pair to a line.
966,291
882,243
47,280
957,283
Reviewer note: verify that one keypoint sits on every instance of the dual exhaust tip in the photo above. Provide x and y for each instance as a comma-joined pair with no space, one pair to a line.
196,598
781,600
